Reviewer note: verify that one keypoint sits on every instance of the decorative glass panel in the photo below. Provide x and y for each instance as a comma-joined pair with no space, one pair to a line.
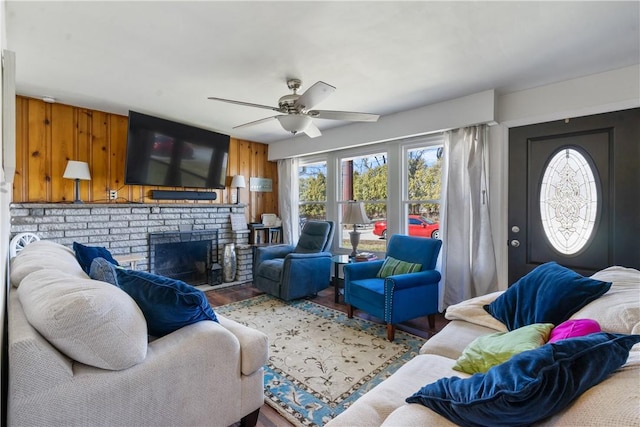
568,201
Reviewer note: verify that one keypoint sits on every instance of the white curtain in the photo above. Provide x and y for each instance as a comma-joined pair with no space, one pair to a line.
468,257
288,199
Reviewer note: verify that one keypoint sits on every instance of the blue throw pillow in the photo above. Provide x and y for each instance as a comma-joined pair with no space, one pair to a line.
104,271
166,303
530,386
550,293
86,254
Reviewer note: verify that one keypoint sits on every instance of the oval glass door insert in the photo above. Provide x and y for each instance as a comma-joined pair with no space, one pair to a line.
568,201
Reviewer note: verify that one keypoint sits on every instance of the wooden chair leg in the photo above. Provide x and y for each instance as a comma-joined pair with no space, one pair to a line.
349,311
250,420
432,321
391,332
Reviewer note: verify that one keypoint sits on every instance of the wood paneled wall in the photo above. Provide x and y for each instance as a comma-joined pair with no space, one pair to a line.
47,135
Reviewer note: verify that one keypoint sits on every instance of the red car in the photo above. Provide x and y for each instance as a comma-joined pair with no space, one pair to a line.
418,226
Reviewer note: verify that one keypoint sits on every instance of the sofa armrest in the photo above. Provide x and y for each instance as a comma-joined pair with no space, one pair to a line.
264,253
303,256
183,369
410,280
362,270
254,345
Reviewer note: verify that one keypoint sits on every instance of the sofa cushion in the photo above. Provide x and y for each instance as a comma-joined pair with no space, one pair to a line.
574,328
415,416
463,334
91,322
618,310
167,304
490,350
377,405
392,266
550,293
86,254
41,255
530,386
613,402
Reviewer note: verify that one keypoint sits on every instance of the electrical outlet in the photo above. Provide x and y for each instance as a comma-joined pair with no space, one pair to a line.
113,194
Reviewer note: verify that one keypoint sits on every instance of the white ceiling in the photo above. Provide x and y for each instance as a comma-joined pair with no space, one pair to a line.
165,58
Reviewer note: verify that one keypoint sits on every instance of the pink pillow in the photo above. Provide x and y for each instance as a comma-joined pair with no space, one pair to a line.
574,328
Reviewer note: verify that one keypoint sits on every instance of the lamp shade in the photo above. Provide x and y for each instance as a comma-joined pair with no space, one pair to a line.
355,214
294,122
238,182
77,170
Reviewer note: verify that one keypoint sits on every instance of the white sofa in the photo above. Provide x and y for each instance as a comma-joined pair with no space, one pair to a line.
613,402
206,373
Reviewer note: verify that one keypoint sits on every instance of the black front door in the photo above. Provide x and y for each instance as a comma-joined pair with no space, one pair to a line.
574,193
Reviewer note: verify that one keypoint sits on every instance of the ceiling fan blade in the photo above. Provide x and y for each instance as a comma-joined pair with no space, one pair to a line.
312,131
344,115
246,104
255,122
314,95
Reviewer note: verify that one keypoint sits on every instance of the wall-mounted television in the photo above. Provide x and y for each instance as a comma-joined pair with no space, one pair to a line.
164,153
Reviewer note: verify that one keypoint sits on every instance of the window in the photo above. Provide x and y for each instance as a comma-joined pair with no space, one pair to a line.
364,178
312,191
397,181
568,201
423,166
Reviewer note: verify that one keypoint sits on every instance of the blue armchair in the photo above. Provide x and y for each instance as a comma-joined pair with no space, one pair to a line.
289,272
400,297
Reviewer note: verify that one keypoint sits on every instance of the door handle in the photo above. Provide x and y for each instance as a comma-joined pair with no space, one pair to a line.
515,243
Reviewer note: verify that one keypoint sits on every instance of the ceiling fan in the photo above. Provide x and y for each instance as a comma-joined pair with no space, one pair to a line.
296,110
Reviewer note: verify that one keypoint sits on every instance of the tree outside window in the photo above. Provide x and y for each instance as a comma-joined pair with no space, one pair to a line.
312,192
364,178
424,173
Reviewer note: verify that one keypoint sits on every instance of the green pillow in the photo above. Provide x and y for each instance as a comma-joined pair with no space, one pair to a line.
392,266
490,350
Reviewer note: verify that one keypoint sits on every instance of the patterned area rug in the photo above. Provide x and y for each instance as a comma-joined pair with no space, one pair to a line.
320,361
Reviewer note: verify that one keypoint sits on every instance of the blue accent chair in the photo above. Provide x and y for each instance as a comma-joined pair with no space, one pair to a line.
289,272
398,298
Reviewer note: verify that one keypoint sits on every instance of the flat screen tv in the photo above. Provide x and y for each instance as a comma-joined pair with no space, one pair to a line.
169,154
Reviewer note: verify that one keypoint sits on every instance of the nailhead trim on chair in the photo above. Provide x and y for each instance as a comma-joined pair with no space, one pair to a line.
389,303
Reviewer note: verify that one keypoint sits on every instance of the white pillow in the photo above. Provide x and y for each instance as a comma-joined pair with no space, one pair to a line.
44,254
617,311
92,322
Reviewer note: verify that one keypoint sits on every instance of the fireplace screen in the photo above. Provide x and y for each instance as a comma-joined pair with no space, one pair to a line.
187,256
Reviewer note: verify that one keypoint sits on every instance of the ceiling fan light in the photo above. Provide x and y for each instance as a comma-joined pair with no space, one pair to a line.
294,122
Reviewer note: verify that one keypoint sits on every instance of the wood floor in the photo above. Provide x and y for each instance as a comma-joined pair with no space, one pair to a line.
268,416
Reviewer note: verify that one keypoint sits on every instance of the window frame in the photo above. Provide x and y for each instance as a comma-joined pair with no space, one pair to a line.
415,143
397,180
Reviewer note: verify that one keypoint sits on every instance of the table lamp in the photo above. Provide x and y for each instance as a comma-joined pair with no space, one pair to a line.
77,171
238,182
354,214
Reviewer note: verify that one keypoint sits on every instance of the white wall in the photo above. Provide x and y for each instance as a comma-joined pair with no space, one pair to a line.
468,110
598,93
5,199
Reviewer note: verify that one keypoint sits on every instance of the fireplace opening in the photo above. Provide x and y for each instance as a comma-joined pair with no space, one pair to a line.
187,256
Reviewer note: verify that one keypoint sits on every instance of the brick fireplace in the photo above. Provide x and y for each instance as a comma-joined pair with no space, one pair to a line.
125,228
